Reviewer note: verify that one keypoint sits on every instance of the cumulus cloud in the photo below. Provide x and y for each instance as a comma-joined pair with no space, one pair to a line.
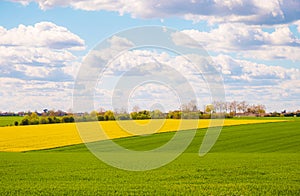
143,76
37,66
275,86
43,34
246,71
42,51
246,11
23,95
249,41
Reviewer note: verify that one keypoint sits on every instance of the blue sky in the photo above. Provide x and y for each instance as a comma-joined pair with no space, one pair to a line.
254,45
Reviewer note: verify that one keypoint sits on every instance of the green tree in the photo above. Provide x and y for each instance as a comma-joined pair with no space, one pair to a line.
26,120
210,108
133,115
34,119
109,115
157,114
44,120
101,117
174,114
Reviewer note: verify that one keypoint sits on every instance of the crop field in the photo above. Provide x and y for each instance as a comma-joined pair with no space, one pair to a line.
35,137
9,120
248,159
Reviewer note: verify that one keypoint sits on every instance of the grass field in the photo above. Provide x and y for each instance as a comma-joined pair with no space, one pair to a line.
252,159
26,138
9,120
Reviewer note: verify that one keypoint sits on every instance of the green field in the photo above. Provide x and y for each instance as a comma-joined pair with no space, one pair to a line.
9,120
258,159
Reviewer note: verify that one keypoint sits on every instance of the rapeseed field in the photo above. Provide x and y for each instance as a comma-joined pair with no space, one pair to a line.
37,137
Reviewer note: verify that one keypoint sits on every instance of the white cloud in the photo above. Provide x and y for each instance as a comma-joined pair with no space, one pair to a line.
249,41
37,67
247,71
146,74
23,95
246,11
41,51
43,34
276,87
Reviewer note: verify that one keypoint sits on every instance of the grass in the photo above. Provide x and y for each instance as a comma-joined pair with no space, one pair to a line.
26,138
9,120
257,159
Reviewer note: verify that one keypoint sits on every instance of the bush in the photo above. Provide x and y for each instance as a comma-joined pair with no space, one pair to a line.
205,116
56,120
50,119
101,118
123,117
34,121
67,119
72,119
174,114
44,120
25,121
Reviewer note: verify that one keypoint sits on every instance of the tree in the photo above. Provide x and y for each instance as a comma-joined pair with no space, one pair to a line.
44,120
157,114
218,105
123,116
136,108
225,106
60,113
51,113
190,106
67,119
34,119
242,106
101,117
26,120
209,108
93,116
233,107
261,109
193,105
109,115
257,109
144,115
133,115
174,114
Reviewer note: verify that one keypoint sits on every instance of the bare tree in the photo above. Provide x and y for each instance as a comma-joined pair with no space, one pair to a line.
136,108
242,106
233,106
189,107
257,109
225,106
218,105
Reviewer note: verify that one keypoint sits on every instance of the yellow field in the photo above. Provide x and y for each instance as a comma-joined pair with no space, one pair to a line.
26,138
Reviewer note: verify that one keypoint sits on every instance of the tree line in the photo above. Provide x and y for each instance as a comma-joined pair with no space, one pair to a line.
35,119
235,107
190,110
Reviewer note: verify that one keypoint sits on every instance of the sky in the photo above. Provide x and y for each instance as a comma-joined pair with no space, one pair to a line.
253,44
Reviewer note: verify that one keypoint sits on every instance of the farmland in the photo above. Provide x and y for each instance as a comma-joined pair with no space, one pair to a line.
249,159
26,138
9,120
